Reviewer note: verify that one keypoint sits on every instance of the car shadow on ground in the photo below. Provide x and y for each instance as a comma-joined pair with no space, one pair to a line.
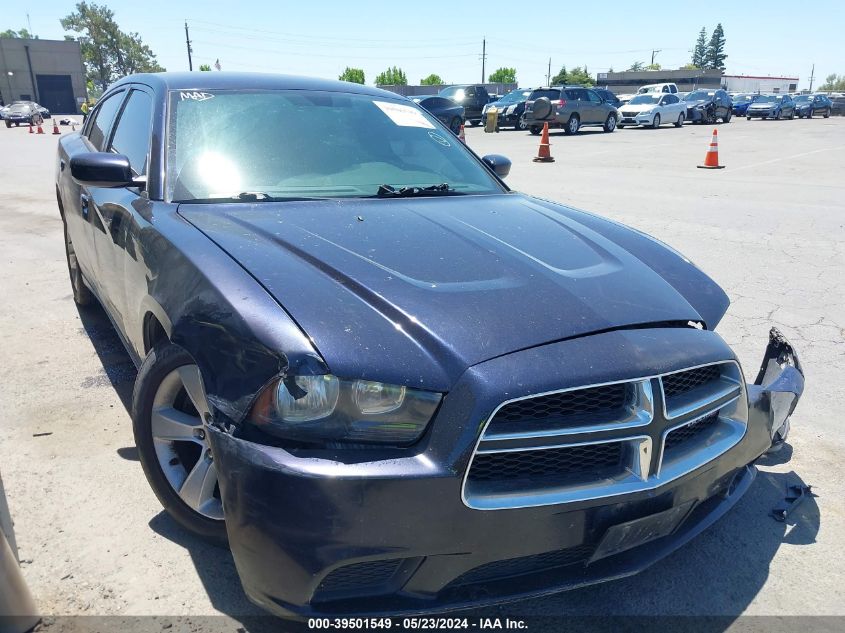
118,369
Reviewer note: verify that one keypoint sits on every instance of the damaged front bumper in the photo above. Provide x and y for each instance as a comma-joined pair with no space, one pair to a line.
317,533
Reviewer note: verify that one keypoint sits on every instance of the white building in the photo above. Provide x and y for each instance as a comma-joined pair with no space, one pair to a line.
751,83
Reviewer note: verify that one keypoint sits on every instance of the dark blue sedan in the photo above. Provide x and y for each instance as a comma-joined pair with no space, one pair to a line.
808,105
387,382
741,103
449,113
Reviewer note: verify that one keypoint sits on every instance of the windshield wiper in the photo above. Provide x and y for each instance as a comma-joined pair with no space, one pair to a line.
388,191
248,196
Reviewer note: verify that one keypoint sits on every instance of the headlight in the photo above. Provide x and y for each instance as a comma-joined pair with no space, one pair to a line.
325,408
700,106
646,112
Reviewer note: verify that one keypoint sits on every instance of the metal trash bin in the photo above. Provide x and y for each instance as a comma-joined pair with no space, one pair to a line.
17,608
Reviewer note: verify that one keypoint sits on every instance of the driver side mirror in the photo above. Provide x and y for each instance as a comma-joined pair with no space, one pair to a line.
500,165
102,169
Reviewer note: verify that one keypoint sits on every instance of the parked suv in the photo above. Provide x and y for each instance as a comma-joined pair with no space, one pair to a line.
473,98
608,96
575,108
705,106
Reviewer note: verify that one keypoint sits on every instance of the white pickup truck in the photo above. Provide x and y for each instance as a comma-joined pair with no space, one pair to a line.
652,109
652,88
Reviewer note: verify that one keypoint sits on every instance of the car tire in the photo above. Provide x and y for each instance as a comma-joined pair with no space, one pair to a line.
621,126
610,123
748,118
727,117
521,124
680,121
8,124
777,116
826,115
163,408
82,296
475,122
572,125
655,122
535,130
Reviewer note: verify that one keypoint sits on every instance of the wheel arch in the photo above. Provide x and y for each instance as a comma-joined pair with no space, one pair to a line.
155,325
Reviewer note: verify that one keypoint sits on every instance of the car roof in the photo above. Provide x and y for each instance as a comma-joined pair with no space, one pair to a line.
190,81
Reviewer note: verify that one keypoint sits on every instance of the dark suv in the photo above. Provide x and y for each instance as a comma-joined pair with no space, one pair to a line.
808,105
473,98
705,106
574,108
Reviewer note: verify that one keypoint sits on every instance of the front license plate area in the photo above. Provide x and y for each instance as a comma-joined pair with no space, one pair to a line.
624,536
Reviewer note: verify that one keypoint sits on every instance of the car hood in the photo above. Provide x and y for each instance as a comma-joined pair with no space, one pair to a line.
416,291
640,107
763,105
691,104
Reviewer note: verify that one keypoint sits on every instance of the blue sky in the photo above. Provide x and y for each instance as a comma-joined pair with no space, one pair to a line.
321,38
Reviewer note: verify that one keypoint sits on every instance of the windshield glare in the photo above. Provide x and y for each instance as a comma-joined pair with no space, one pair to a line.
295,143
742,98
639,99
515,96
453,92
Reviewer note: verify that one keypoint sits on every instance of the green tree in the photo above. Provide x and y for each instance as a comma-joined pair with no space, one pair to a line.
833,83
108,52
699,53
689,66
561,79
654,66
636,67
503,76
392,77
205,67
354,75
432,80
580,76
716,57
22,34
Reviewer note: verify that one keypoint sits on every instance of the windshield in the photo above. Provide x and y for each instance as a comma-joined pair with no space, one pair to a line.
296,143
453,92
19,107
699,95
803,98
742,98
639,99
515,96
767,99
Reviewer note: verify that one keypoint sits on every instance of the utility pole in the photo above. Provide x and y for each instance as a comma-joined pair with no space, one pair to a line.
812,75
653,53
483,58
549,74
188,44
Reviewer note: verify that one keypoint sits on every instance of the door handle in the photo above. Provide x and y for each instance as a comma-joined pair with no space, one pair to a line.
84,201
62,164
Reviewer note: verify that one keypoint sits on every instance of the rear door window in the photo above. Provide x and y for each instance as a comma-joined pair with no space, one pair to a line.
550,94
103,118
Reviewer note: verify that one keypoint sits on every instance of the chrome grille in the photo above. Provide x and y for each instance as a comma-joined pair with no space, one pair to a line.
605,440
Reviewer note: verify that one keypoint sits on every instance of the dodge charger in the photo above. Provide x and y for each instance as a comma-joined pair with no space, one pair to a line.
386,381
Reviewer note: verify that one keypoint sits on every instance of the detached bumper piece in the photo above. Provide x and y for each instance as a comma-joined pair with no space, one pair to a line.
778,387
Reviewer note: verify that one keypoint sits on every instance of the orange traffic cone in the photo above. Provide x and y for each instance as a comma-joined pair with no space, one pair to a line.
544,155
711,159
55,127
461,135
39,130
30,129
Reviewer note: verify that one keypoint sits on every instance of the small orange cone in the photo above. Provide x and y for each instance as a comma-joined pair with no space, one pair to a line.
711,159
30,129
544,155
55,127
39,130
461,135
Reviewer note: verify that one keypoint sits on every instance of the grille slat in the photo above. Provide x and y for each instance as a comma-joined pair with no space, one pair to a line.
564,462
510,567
685,381
572,406
359,576
689,432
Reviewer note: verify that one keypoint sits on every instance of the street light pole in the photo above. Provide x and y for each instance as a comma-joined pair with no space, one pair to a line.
653,53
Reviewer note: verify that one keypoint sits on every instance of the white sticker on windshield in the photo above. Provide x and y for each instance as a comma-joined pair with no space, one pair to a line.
195,96
403,115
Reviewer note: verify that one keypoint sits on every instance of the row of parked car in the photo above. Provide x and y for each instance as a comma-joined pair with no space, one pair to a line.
26,112
574,107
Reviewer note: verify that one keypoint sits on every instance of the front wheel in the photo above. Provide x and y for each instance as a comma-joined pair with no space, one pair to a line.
169,407
748,118
655,122
791,115
680,121
8,124
826,115
521,124
610,123
777,116
727,118
536,129
572,125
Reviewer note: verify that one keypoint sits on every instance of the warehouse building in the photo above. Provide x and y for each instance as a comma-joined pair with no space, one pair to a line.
49,72
686,79
751,83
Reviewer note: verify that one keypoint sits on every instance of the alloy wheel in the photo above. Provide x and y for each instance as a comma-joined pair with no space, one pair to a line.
180,441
